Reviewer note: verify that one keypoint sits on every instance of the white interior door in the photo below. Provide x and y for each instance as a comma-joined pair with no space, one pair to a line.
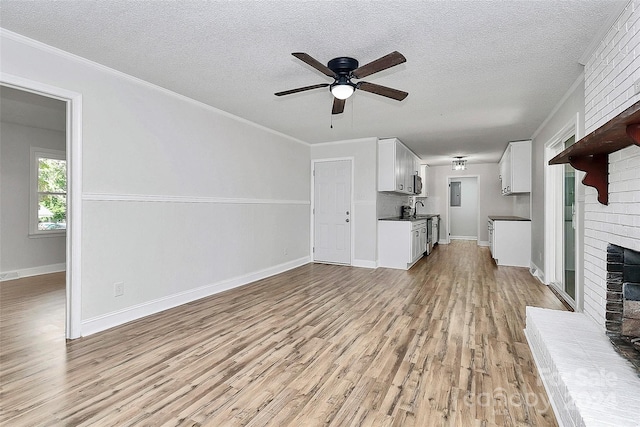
332,212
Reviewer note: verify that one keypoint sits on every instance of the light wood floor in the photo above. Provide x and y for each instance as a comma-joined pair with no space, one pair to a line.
441,345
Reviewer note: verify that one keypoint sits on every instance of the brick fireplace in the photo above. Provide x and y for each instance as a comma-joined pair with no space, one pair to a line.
587,381
609,75
623,302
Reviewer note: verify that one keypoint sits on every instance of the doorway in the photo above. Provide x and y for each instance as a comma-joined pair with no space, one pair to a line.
332,211
462,209
73,148
561,222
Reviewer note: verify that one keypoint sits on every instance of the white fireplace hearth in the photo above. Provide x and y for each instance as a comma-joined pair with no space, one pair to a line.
587,381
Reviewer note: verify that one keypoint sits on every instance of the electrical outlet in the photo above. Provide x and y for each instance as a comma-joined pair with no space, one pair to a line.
118,289
636,87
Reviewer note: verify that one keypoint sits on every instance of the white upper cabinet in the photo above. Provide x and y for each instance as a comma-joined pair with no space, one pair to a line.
396,166
515,168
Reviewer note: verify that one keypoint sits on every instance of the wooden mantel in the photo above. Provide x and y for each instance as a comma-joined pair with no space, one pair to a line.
591,153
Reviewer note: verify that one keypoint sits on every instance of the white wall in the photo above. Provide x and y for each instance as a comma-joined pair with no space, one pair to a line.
18,252
364,220
464,218
522,204
609,76
492,202
179,199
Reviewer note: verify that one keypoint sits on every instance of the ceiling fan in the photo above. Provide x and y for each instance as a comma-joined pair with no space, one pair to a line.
343,69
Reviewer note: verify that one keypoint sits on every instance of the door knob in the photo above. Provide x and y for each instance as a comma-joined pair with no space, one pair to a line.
346,220
347,212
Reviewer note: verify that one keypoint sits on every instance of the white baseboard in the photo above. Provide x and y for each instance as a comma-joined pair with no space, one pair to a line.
536,272
33,271
463,238
364,263
116,318
483,243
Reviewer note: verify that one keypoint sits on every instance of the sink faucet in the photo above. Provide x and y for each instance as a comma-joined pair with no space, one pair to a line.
415,212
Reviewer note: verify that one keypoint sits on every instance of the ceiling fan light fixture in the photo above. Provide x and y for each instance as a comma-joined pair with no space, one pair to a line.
459,164
342,90
342,69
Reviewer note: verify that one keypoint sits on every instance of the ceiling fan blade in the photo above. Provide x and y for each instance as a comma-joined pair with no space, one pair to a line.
396,94
338,106
314,63
301,89
387,61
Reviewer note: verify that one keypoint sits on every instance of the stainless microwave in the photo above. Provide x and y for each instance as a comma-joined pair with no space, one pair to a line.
417,184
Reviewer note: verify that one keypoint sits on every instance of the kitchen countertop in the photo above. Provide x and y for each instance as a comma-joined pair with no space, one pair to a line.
412,218
507,218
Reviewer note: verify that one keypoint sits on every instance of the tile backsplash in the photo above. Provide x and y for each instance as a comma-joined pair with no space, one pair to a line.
390,204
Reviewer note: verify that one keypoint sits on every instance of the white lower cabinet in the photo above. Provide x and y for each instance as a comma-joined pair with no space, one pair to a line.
401,243
423,240
510,242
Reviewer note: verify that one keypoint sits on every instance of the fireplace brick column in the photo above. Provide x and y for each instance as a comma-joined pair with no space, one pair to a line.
631,294
622,318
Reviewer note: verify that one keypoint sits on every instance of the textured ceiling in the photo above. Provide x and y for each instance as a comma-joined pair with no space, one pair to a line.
478,73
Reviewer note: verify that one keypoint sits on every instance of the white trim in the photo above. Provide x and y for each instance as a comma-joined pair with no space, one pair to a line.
352,203
475,238
483,243
116,318
536,272
552,174
105,197
33,271
67,55
74,190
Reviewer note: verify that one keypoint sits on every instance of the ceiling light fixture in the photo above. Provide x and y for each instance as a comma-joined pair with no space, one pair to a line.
342,88
458,164
342,91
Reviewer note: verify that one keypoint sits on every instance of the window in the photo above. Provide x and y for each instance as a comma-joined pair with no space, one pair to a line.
48,192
